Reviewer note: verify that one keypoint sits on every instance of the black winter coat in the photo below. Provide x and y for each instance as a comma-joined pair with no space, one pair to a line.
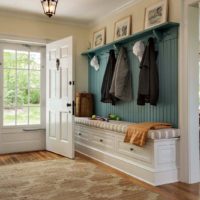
148,91
106,97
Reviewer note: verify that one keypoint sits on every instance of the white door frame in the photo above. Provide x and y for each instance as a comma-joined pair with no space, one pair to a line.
188,93
14,139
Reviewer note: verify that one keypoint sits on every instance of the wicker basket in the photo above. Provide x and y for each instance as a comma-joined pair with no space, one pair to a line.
84,104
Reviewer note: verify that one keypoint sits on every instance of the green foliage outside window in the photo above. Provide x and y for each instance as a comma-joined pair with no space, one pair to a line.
21,77
16,73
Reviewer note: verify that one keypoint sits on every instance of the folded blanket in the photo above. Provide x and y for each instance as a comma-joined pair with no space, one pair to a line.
137,133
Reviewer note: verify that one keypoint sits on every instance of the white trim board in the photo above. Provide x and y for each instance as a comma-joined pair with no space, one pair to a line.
147,175
14,139
188,93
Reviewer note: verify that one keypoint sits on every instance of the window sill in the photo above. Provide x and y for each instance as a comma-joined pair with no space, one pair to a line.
22,129
38,126
33,129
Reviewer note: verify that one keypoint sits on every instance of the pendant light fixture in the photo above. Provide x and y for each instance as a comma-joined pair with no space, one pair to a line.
49,7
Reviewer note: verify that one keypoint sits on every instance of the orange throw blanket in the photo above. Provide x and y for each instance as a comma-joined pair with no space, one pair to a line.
137,133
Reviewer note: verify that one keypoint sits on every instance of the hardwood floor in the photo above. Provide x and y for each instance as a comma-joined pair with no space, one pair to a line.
176,191
27,157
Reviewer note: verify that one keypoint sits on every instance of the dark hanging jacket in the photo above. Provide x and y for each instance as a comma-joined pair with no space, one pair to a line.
106,97
121,86
148,91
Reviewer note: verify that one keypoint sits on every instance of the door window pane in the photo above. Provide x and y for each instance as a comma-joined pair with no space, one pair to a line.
34,79
22,79
35,60
9,59
9,78
22,116
34,97
22,97
9,97
9,116
34,115
22,59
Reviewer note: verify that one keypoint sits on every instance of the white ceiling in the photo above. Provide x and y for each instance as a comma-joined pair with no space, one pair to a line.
83,11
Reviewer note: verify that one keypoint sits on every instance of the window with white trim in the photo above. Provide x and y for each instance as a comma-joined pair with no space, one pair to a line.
21,73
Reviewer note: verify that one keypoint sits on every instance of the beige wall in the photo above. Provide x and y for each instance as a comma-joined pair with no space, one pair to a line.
42,30
32,28
138,14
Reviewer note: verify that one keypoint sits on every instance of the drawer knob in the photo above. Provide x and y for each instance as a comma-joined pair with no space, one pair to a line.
101,140
131,149
80,134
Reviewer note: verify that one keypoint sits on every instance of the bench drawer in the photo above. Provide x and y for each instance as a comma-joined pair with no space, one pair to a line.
81,135
103,141
131,151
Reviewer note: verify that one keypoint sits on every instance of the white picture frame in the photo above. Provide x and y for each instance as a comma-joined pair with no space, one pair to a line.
99,38
156,14
122,28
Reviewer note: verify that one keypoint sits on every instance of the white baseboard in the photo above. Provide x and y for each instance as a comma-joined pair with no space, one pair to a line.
149,176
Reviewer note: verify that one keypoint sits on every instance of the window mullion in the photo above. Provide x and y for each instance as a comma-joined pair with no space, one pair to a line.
41,71
16,89
2,90
28,87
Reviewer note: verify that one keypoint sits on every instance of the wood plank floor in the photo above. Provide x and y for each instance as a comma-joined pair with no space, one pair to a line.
176,191
27,157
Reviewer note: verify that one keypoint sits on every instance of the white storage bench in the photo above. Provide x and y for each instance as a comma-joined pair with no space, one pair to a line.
156,163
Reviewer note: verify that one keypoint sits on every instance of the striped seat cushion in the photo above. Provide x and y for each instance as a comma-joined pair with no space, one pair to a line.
121,127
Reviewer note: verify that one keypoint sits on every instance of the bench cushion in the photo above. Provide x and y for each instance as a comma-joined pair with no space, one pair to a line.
121,127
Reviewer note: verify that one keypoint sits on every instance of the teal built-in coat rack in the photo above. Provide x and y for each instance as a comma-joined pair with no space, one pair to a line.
167,45
157,31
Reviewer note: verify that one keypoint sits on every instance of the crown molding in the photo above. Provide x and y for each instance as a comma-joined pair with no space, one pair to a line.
44,19
116,11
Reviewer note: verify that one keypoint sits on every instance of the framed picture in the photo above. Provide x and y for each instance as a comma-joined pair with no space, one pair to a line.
122,28
99,38
156,14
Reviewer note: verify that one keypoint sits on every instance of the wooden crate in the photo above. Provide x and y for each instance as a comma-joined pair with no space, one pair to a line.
84,104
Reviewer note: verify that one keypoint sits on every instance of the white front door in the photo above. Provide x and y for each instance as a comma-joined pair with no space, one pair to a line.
60,97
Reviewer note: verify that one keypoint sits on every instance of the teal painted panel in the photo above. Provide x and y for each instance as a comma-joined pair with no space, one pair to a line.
167,108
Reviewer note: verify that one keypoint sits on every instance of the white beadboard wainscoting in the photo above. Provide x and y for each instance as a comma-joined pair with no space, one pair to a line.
22,141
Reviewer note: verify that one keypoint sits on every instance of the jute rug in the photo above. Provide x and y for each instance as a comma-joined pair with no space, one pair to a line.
65,179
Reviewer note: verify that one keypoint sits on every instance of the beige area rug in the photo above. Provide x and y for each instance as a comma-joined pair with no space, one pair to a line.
65,179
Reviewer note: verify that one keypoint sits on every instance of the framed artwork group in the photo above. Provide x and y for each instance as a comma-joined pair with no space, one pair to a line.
154,15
